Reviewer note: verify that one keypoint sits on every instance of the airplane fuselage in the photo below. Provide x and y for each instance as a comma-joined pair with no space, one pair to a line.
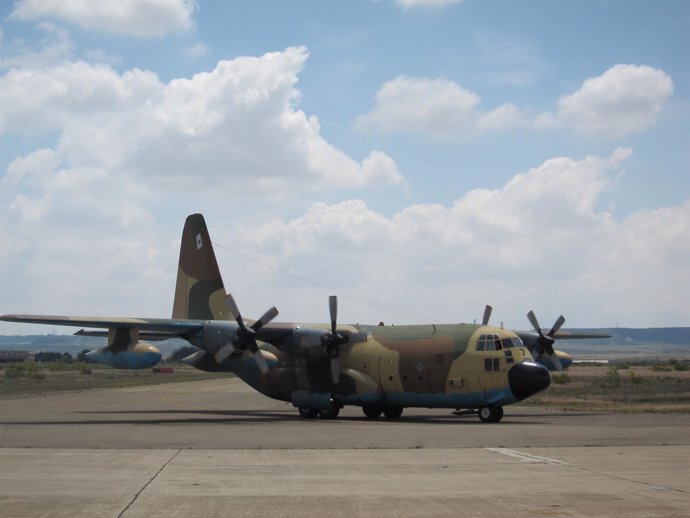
449,366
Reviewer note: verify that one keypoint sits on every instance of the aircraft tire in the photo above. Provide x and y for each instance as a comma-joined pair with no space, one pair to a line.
308,413
490,414
393,412
372,411
331,413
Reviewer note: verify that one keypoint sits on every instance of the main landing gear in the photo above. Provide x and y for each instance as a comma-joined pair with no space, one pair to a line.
313,413
371,411
375,411
487,414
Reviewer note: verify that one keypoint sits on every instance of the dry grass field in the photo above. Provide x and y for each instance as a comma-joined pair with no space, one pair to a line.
49,378
619,388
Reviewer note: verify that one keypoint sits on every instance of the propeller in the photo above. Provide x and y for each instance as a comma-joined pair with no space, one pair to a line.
545,342
246,336
487,315
333,340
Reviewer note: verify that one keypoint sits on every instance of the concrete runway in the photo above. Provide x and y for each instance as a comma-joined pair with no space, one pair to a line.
217,448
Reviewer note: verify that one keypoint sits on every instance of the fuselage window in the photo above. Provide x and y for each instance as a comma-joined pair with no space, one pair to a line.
497,364
488,364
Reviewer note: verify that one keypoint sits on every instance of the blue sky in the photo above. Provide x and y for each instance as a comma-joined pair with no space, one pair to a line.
419,158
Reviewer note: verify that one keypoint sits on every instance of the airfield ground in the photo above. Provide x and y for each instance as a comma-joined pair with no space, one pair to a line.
217,448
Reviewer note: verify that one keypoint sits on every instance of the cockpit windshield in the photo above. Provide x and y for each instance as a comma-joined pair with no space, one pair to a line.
490,342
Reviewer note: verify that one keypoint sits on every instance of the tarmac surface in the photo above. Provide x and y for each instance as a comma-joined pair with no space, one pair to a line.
217,448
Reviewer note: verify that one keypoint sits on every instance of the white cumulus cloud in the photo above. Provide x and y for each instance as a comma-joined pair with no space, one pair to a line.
542,237
43,99
410,4
138,18
439,107
623,100
237,126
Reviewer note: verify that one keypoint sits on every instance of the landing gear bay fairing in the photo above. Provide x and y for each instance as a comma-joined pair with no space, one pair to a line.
320,368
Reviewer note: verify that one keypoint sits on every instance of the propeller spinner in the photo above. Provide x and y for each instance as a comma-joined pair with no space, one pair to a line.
246,336
545,342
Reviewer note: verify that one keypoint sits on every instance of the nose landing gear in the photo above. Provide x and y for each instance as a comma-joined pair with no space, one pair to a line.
487,414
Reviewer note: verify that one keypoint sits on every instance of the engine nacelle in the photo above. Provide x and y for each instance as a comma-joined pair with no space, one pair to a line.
565,359
216,334
140,355
308,399
307,343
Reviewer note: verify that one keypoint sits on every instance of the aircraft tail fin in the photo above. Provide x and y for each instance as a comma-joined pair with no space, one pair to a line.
199,291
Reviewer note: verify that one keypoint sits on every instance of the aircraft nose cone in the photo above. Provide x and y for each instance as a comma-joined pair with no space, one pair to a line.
528,378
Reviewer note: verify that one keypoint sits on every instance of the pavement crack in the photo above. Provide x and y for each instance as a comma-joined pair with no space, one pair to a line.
148,483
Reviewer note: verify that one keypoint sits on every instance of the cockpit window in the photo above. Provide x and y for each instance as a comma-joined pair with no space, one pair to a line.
495,343
488,343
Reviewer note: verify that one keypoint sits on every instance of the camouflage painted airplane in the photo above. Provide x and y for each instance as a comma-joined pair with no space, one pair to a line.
320,368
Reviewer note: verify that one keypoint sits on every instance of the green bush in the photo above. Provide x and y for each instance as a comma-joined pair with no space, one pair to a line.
24,370
661,367
560,379
636,379
681,366
613,378
13,371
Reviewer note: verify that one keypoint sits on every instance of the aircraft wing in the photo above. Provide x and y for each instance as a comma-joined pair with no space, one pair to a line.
531,337
173,327
567,335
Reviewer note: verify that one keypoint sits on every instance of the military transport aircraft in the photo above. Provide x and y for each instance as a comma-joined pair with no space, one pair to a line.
320,368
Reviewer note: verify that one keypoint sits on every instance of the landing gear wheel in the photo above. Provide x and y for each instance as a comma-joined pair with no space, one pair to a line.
490,414
372,411
393,412
308,413
331,413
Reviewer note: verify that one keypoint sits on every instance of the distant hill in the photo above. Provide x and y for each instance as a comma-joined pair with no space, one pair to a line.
631,342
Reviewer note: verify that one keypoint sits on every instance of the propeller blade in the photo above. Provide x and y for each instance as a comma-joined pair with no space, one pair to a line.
535,324
333,308
333,340
556,326
335,369
234,310
224,352
260,360
265,319
487,315
246,338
